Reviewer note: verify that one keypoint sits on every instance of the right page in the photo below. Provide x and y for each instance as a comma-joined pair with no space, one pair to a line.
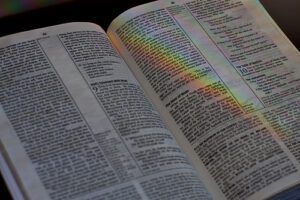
225,79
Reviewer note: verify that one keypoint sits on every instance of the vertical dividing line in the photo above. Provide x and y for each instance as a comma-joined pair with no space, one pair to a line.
223,54
102,107
205,59
82,116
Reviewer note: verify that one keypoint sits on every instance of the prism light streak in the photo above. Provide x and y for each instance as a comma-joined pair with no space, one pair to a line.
162,52
8,7
175,60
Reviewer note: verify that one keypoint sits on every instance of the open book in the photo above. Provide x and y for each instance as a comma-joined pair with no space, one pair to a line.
191,99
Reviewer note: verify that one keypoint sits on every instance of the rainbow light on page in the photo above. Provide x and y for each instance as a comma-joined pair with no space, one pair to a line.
8,7
166,54
204,82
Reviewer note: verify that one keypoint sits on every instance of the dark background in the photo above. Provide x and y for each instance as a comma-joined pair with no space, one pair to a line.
286,14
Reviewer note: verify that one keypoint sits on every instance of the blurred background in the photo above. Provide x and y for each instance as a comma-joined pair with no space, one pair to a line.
9,7
21,15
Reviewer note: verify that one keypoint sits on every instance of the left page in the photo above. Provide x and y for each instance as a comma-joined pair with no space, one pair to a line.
75,123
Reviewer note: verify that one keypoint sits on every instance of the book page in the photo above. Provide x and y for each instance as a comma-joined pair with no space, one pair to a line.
75,123
226,80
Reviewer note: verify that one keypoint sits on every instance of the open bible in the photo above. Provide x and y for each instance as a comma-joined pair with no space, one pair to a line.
192,99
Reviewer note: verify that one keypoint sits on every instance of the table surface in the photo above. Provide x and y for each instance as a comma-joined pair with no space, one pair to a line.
285,13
